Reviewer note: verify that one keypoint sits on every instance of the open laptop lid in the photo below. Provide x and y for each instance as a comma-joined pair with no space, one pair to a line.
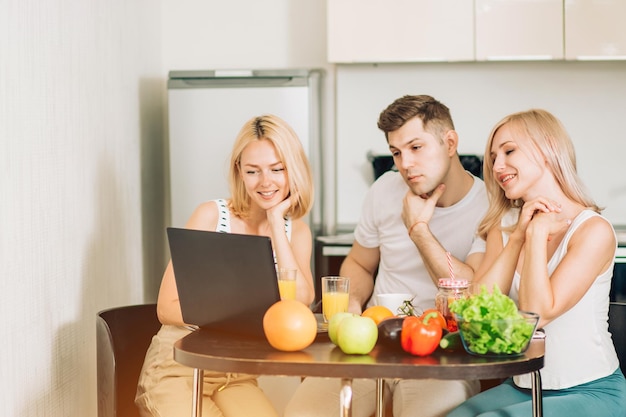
224,280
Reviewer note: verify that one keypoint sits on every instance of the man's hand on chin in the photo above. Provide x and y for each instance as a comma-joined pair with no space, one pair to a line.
420,208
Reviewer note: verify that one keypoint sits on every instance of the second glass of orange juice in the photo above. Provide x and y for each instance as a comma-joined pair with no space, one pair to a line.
335,295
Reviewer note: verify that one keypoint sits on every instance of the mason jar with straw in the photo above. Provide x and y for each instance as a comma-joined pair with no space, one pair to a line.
448,290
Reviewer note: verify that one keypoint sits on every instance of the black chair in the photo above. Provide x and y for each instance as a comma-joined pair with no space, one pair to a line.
617,327
123,335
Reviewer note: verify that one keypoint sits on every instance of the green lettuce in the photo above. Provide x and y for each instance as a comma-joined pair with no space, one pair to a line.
492,323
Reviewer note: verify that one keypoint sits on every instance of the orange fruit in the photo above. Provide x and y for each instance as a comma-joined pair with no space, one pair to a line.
289,325
377,313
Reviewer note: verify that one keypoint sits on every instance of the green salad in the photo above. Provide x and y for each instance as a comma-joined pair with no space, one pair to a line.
491,323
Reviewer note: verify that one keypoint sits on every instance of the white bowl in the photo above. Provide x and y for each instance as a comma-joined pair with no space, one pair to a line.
393,301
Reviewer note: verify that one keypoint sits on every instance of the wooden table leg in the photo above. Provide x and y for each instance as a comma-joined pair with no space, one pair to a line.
380,403
196,395
537,394
345,398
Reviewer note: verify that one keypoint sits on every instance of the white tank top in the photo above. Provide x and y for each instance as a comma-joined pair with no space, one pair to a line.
579,348
223,224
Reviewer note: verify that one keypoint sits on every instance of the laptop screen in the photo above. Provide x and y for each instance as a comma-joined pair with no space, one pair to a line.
224,280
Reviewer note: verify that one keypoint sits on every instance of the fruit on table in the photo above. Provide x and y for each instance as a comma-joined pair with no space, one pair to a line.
377,313
421,335
357,335
289,325
333,324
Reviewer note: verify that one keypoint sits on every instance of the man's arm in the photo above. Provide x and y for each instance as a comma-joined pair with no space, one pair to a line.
360,266
435,257
417,211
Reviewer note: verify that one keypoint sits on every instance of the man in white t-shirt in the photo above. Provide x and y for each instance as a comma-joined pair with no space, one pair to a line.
410,219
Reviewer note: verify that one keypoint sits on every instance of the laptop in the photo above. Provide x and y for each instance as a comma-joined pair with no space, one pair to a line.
225,281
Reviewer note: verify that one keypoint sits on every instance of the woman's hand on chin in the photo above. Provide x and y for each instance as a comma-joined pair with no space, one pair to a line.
277,213
530,210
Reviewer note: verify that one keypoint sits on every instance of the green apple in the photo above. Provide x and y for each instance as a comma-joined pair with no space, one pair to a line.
333,324
357,335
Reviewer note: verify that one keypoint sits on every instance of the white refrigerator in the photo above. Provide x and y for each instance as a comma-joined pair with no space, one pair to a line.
207,110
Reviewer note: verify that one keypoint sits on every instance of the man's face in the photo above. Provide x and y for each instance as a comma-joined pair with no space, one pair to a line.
421,158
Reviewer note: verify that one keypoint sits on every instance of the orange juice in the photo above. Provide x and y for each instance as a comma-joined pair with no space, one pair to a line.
287,289
334,302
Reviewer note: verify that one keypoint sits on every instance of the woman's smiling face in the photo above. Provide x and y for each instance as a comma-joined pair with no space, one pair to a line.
263,173
514,168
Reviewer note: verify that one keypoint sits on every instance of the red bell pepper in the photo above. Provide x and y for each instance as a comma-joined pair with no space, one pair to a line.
420,336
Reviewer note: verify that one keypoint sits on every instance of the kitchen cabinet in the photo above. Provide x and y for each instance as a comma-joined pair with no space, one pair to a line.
383,31
594,29
400,30
519,29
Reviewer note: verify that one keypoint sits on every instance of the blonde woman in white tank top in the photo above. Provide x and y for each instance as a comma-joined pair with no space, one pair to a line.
271,190
551,251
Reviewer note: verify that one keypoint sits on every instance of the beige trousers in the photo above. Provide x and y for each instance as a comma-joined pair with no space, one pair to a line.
165,386
319,397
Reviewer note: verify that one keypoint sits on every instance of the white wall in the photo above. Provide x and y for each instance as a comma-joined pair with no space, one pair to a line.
80,125
589,97
200,34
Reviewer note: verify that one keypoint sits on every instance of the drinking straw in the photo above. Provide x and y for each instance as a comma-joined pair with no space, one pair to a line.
449,256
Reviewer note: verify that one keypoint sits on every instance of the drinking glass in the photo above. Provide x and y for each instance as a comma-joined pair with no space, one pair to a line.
287,283
335,295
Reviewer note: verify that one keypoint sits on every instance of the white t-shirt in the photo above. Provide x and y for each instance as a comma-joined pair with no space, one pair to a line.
401,269
579,348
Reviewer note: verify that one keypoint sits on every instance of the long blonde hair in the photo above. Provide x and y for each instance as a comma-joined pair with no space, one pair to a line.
547,141
291,153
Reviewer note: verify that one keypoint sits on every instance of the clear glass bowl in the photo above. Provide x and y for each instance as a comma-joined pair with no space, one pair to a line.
504,337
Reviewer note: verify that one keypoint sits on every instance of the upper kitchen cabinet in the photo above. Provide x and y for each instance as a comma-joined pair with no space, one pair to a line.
400,30
594,29
519,29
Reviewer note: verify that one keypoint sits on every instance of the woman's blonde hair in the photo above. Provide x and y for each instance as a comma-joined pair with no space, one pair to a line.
548,142
291,154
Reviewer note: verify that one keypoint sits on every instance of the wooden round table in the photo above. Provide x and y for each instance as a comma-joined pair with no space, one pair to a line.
232,352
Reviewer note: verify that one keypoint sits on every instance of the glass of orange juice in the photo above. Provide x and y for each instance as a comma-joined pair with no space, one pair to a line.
335,295
287,283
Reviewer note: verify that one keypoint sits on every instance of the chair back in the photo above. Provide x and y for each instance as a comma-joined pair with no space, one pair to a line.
617,327
123,335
